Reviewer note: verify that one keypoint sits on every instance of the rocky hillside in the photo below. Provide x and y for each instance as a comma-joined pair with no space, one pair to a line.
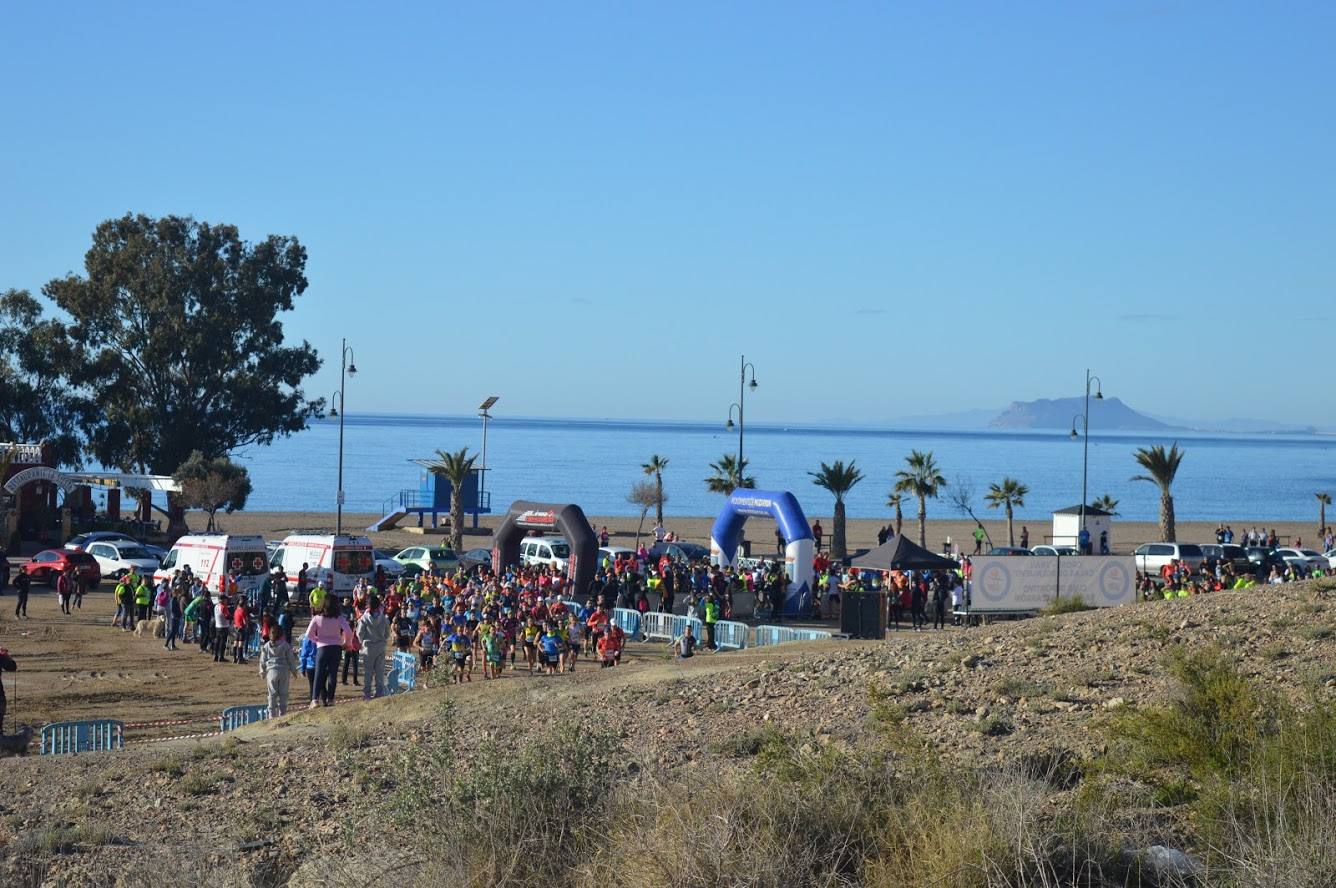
275,803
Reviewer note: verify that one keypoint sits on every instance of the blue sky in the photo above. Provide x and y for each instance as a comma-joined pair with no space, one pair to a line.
893,209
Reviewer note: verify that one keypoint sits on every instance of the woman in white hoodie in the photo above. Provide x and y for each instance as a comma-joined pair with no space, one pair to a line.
373,631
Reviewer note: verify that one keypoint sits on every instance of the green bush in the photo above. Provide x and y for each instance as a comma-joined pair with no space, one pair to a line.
1072,604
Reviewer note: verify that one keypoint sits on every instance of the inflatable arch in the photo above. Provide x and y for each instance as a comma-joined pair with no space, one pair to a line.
798,550
567,519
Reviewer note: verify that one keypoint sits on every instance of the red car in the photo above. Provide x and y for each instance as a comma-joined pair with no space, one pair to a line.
46,565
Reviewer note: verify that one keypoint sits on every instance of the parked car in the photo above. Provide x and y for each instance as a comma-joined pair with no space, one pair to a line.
1227,553
1331,558
386,562
475,557
46,565
80,542
1264,558
614,554
427,559
1009,550
116,558
679,551
1152,557
1305,558
1054,550
552,551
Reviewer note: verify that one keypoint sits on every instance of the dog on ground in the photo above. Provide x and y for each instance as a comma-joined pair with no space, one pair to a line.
152,628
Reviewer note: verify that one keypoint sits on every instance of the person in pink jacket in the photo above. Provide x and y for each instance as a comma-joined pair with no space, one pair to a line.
330,632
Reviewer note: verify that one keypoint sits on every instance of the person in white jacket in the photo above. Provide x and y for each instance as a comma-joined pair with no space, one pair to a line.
278,663
373,631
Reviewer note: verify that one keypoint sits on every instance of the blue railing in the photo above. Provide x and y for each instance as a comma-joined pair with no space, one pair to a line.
96,735
234,717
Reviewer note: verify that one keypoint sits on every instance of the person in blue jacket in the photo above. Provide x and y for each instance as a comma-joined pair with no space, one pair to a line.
307,661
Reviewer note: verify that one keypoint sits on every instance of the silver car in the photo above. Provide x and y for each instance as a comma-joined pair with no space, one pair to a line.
1152,557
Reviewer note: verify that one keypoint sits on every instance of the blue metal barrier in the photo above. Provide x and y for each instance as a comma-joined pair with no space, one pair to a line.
766,635
253,643
97,735
628,620
403,673
730,636
234,717
667,626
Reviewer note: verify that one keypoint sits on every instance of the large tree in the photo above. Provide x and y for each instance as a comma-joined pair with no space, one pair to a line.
924,480
456,468
838,479
36,402
213,484
1161,466
1008,493
655,467
174,331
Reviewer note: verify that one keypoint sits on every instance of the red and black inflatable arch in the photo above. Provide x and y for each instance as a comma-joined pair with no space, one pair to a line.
566,519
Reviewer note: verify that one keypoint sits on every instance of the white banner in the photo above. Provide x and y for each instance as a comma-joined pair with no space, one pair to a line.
1021,583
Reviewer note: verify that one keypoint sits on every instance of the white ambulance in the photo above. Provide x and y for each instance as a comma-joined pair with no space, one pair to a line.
211,557
337,562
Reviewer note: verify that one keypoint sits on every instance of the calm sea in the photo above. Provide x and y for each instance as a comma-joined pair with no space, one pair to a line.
594,463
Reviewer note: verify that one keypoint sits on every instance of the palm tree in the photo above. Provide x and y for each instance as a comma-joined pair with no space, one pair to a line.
1161,466
655,467
456,468
924,480
839,479
896,501
1105,503
728,476
1323,500
1009,494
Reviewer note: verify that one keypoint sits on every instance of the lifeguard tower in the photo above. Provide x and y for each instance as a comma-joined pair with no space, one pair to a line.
432,497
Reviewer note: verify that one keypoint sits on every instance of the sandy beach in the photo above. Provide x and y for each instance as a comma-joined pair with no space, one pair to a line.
862,532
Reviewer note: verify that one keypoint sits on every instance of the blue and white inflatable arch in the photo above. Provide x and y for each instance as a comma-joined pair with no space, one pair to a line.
798,550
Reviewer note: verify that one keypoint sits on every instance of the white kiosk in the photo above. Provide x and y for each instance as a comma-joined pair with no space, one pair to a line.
1067,526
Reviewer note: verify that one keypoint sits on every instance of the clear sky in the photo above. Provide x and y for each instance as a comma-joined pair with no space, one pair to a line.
591,209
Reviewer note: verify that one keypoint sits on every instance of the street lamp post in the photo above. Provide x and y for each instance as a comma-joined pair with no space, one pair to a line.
482,474
347,368
1085,441
743,385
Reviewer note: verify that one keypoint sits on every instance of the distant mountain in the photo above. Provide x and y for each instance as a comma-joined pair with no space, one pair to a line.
1057,413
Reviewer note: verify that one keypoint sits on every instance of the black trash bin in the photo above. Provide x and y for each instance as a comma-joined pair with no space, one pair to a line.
863,615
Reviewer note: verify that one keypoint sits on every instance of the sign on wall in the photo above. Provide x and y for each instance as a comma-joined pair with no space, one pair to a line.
1010,583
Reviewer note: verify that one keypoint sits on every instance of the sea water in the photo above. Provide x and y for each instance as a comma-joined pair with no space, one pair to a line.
596,462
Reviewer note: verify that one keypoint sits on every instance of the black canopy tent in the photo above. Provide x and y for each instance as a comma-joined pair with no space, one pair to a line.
901,554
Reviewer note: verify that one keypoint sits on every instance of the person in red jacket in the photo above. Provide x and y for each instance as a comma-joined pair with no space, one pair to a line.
240,626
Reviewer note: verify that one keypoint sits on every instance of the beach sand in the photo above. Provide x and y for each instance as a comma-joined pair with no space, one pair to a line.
862,532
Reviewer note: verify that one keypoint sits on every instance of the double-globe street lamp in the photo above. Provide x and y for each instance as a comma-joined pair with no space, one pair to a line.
743,385
346,368
1085,442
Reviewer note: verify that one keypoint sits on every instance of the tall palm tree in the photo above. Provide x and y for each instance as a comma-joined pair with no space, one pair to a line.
1009,493
924,480
839,479
456,468
1161,466
728,476
655,467
1105,503
896,501
1323,500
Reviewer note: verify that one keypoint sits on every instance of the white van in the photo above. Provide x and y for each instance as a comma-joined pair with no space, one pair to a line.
337,562
211,557
552,551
